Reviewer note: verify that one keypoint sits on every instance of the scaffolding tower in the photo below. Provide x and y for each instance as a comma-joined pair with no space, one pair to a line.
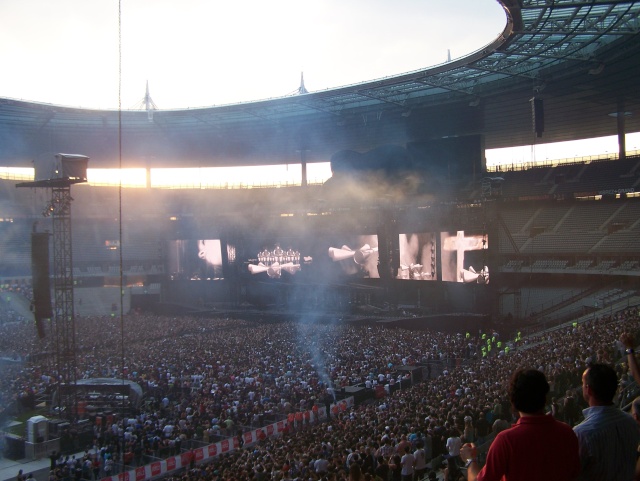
65,339
71,169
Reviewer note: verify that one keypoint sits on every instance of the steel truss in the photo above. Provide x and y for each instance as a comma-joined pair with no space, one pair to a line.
64,318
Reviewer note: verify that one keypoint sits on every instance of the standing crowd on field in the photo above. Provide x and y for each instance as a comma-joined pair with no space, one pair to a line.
209,378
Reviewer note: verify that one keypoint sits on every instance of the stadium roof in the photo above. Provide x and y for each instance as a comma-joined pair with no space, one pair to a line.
582,58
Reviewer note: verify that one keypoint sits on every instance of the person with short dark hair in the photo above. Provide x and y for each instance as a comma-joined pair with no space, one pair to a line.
454,443
395,467
452,471
382,469
528,390
536,447
407,462
608,437
355,472
421,461
321,465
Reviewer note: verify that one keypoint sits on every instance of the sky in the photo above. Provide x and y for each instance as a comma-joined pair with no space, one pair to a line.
200,53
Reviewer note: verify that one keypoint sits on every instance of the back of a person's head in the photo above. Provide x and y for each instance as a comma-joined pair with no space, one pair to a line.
500,425
355,472
528,390
603,381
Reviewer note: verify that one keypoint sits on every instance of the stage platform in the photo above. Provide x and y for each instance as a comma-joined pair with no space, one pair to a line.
39,468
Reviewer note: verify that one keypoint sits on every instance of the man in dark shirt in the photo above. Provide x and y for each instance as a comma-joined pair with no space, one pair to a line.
483,428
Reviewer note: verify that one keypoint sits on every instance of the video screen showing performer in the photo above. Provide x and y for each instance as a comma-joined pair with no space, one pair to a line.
463,257
417,256
195,259
357,256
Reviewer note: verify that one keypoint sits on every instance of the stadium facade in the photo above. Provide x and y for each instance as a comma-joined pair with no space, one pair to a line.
410,224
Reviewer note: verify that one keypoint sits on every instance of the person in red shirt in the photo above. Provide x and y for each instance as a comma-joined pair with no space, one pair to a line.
536,447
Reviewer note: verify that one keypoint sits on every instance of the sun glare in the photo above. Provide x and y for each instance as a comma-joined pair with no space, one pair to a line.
243,177
17,173
561,152
290,175
113,177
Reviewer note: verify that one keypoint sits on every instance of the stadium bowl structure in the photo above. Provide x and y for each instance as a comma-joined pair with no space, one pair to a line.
582,59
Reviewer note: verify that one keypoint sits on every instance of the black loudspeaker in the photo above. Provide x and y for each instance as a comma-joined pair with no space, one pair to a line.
73,166
537,113
40,279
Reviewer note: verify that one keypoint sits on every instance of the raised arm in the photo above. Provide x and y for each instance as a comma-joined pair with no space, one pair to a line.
629,344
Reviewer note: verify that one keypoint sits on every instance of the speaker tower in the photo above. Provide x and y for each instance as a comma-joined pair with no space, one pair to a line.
40,280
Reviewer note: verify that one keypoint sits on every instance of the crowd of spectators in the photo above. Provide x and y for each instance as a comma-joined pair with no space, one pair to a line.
11,292
207,378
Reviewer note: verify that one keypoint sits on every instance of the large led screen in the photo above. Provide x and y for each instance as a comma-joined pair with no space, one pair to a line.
195,259
417,256
463,257
356,256
274,260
